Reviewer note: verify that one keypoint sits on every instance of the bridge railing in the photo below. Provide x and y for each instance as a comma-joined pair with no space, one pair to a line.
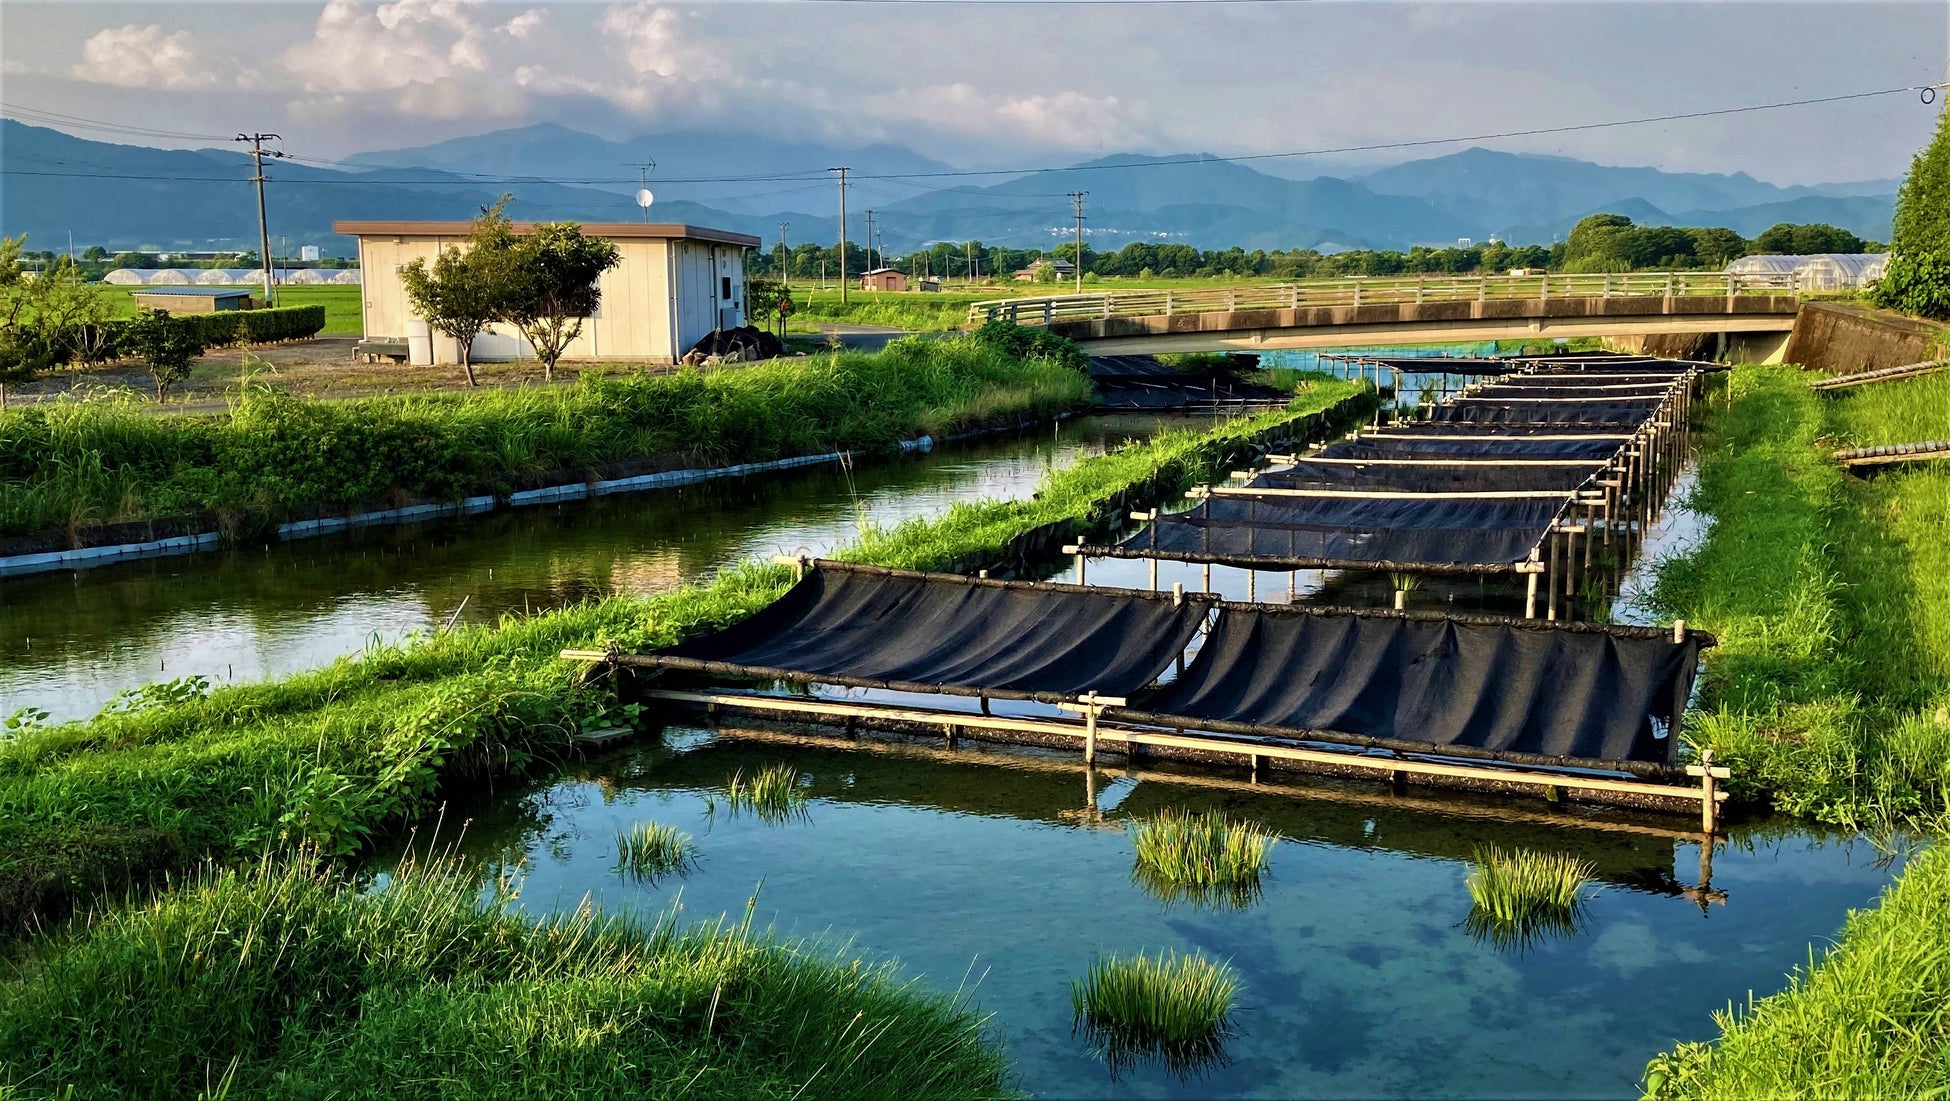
1375,291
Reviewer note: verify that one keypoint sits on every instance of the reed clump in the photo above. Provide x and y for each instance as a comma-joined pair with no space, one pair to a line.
649,851
1202,858
1175,1007
289,979
1519,896
775,793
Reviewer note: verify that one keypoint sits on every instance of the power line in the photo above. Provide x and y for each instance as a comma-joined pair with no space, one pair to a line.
991,172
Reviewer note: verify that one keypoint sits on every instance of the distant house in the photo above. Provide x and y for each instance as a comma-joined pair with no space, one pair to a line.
929,283
192,299
1034,272
884,279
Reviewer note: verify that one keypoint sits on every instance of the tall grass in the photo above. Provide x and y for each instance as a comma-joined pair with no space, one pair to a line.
1175,1008
288,980
1518,897
649,851
1200,858
106,459
1871,1018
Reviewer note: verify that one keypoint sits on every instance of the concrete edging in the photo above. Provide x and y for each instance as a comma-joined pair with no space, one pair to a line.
84,557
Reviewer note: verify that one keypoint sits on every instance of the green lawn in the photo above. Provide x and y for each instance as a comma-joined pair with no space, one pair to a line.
342,317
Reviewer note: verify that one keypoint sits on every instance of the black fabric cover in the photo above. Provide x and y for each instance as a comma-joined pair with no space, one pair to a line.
1628,413
934,633
1451,477
1465,447
1479,534
1494,687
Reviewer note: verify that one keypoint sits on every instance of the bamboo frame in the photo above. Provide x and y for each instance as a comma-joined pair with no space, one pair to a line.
1094,729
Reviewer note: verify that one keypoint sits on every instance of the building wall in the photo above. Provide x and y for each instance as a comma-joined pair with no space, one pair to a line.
662,297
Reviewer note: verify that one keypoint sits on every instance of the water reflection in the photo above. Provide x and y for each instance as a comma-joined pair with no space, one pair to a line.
1007,866
70,641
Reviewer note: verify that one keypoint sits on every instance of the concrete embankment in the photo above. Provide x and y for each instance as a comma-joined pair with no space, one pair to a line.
1839,338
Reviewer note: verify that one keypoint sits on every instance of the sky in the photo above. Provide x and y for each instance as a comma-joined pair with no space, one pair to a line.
989,85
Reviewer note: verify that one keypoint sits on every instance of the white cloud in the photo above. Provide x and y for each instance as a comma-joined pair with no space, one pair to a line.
522,24
143,56
392,46
1056,118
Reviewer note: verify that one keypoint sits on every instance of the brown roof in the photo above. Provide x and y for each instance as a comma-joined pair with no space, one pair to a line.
638,230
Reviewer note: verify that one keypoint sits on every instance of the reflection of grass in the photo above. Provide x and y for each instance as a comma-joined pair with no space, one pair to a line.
1200,858
649,851
774,794
1174,1008
1521,896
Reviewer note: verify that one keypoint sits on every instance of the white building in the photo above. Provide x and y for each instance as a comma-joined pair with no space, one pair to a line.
674,286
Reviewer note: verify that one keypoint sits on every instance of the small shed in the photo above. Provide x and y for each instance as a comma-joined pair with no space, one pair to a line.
884,279
193,299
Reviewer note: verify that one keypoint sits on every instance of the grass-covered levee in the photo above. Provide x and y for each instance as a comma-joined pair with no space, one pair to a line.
1829,695
177,919
68,464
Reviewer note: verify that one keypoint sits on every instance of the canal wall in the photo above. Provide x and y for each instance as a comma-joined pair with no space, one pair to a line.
1841,338
171,537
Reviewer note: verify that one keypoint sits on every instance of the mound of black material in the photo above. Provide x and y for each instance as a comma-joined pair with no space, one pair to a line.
940,633
1504,688
740,345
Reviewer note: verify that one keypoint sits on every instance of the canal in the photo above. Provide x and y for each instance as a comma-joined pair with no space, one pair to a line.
70,641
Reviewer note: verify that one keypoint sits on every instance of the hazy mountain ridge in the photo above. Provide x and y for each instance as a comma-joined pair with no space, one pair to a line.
125,195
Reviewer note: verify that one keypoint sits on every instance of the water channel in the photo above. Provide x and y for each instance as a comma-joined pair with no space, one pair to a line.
1002,873
70,641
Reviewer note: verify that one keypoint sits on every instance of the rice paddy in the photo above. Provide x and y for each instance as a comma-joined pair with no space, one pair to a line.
1204,859
1175,1008
649,851
1519,897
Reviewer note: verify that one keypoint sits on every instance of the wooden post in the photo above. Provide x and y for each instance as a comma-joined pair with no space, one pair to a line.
1709,815
1078,551
1154,573
1252,584
1090,734
1205,584
1530,594
1401,598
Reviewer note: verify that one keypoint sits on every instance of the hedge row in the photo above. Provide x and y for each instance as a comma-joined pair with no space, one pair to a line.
259,326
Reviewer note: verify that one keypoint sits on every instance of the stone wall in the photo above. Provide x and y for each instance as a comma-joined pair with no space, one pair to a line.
1836,338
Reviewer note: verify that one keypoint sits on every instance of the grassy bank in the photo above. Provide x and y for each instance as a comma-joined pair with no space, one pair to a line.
328,757
280,980
70,464
1830,696
288,981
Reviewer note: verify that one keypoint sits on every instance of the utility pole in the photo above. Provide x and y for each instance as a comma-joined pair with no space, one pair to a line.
871,262
263,227
785,256
970,249
842,172
643,182
1077,198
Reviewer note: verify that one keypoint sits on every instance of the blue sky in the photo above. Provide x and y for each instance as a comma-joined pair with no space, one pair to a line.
984,85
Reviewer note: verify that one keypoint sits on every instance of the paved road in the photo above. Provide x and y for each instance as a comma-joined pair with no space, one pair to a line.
860,338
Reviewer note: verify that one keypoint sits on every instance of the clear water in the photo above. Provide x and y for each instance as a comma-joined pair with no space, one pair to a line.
70,641
1005,873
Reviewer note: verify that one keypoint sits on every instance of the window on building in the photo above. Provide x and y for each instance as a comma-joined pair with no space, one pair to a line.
725,293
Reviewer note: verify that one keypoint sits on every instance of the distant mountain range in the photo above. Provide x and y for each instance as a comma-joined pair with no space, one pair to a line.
124,196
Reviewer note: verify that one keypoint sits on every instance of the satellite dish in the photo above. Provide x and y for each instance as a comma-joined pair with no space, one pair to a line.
644,198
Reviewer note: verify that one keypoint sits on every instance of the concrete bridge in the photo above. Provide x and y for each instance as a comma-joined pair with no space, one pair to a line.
1755,312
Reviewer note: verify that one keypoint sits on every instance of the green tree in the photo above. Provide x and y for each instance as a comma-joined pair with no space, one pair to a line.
766,300
548,285
47,317
1801,240
169,344
462,294
1918,279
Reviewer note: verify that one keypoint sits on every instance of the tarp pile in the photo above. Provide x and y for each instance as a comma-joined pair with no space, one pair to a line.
1528,693
1475,488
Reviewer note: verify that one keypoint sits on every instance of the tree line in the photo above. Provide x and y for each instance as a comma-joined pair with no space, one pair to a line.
1599,243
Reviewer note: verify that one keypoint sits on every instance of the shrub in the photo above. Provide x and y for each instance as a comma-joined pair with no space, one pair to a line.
1030,342
1917,284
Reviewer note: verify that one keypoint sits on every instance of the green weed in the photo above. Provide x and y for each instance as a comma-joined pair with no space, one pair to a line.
775,794
1201,858
649,851
1174,1007
1518,897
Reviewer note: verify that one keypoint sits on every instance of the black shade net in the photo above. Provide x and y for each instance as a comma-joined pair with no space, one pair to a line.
1461,446
1465,534
1501,688
1429,476
1628,413
937,633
